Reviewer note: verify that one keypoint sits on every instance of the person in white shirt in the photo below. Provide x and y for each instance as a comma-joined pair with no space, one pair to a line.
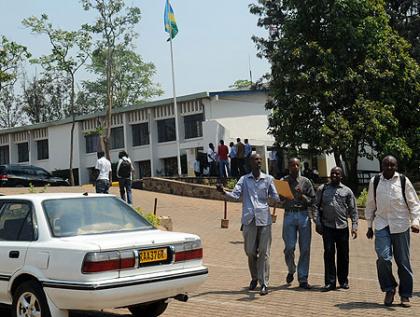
103,167
392,213
211,160
125,176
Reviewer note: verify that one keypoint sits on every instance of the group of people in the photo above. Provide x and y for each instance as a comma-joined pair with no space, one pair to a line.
225,161
393,208
125,172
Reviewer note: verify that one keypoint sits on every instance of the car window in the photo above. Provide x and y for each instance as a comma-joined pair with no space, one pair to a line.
16,222
90,215
41,173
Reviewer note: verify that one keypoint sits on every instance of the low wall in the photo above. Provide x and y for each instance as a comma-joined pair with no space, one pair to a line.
174,187
169,186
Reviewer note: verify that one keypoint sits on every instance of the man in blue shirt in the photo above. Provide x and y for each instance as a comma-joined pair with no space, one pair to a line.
255,188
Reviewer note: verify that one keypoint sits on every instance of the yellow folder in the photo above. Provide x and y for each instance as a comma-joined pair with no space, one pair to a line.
283,189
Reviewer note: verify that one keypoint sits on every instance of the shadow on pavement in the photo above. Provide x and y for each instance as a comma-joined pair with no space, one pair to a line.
96,314
364,305
236,242
416,294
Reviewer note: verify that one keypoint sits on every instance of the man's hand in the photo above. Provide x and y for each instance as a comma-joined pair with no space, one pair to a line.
220,188
369,233
415,228
354,233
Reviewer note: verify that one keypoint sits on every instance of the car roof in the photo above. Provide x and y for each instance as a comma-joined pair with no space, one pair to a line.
44,196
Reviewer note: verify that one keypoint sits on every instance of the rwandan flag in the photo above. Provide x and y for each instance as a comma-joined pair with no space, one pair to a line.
169,18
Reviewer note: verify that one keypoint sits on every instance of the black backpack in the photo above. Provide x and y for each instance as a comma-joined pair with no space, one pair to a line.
125,169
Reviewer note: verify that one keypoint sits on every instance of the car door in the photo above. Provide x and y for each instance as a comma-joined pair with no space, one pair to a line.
16,234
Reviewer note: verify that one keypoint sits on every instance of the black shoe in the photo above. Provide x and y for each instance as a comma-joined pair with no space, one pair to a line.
264,290
344,286
305,285
289,278
389,297
253,285
328,287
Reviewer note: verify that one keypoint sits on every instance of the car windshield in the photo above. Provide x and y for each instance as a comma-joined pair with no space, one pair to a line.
91,215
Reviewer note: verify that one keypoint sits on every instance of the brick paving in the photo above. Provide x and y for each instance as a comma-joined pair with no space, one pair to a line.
225,292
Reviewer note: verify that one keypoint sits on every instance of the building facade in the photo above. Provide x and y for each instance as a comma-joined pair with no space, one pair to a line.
147,132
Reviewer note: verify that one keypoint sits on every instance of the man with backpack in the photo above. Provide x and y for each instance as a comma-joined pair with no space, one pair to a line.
392,208
125,176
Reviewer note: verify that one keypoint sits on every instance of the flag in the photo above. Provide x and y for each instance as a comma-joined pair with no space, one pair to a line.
169,19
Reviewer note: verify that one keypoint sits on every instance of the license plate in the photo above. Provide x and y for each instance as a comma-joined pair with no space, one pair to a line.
153,255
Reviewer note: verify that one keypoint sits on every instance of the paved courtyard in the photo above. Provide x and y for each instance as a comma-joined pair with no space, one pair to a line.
225,292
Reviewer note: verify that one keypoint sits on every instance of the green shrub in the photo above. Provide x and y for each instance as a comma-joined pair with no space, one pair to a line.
362,199
32,190
150,217
230,184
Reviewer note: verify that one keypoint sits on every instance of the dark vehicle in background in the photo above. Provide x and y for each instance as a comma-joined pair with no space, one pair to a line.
12,175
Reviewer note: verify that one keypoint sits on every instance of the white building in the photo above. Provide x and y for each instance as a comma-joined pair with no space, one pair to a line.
147,133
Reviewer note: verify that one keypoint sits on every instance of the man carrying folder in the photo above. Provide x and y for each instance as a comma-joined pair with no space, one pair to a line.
297,223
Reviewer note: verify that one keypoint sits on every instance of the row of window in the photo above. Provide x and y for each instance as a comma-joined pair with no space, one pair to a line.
140,132
23,152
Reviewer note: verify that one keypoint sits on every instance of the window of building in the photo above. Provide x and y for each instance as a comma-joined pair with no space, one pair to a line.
145,169
193,126
140,134
42,148
166,130
92,141
117,138
23,152
171,165
4,154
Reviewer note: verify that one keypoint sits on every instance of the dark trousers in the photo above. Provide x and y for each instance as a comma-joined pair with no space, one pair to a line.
102,186
241,166
336,239
234,167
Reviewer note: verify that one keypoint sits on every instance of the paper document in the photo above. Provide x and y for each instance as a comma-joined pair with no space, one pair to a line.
283,189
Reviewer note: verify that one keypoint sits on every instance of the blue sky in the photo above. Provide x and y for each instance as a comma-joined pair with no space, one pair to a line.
212,49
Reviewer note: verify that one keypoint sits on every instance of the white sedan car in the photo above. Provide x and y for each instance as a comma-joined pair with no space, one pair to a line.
62,252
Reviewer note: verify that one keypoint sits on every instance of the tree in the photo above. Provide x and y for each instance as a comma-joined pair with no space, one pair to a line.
70,50
241,84
11,111
11,56
339,76
405,18
116,27
132,82
46,98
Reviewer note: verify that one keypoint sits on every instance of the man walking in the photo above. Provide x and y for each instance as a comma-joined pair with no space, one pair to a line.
103,168
392,208
125,176
335,202
255,188
247,155
297,222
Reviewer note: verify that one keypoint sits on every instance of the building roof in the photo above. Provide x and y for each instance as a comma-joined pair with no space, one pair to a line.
149,104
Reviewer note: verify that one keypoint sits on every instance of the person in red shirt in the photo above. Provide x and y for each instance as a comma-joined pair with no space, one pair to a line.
222,153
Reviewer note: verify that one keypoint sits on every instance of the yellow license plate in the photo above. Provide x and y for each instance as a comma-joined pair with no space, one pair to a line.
153,255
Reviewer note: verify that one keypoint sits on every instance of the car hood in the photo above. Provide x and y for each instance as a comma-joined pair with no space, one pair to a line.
127,240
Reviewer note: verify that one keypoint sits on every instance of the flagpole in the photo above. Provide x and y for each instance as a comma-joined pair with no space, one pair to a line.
178,155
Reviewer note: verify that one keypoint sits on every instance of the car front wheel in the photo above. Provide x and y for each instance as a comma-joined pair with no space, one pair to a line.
148,310
29,301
